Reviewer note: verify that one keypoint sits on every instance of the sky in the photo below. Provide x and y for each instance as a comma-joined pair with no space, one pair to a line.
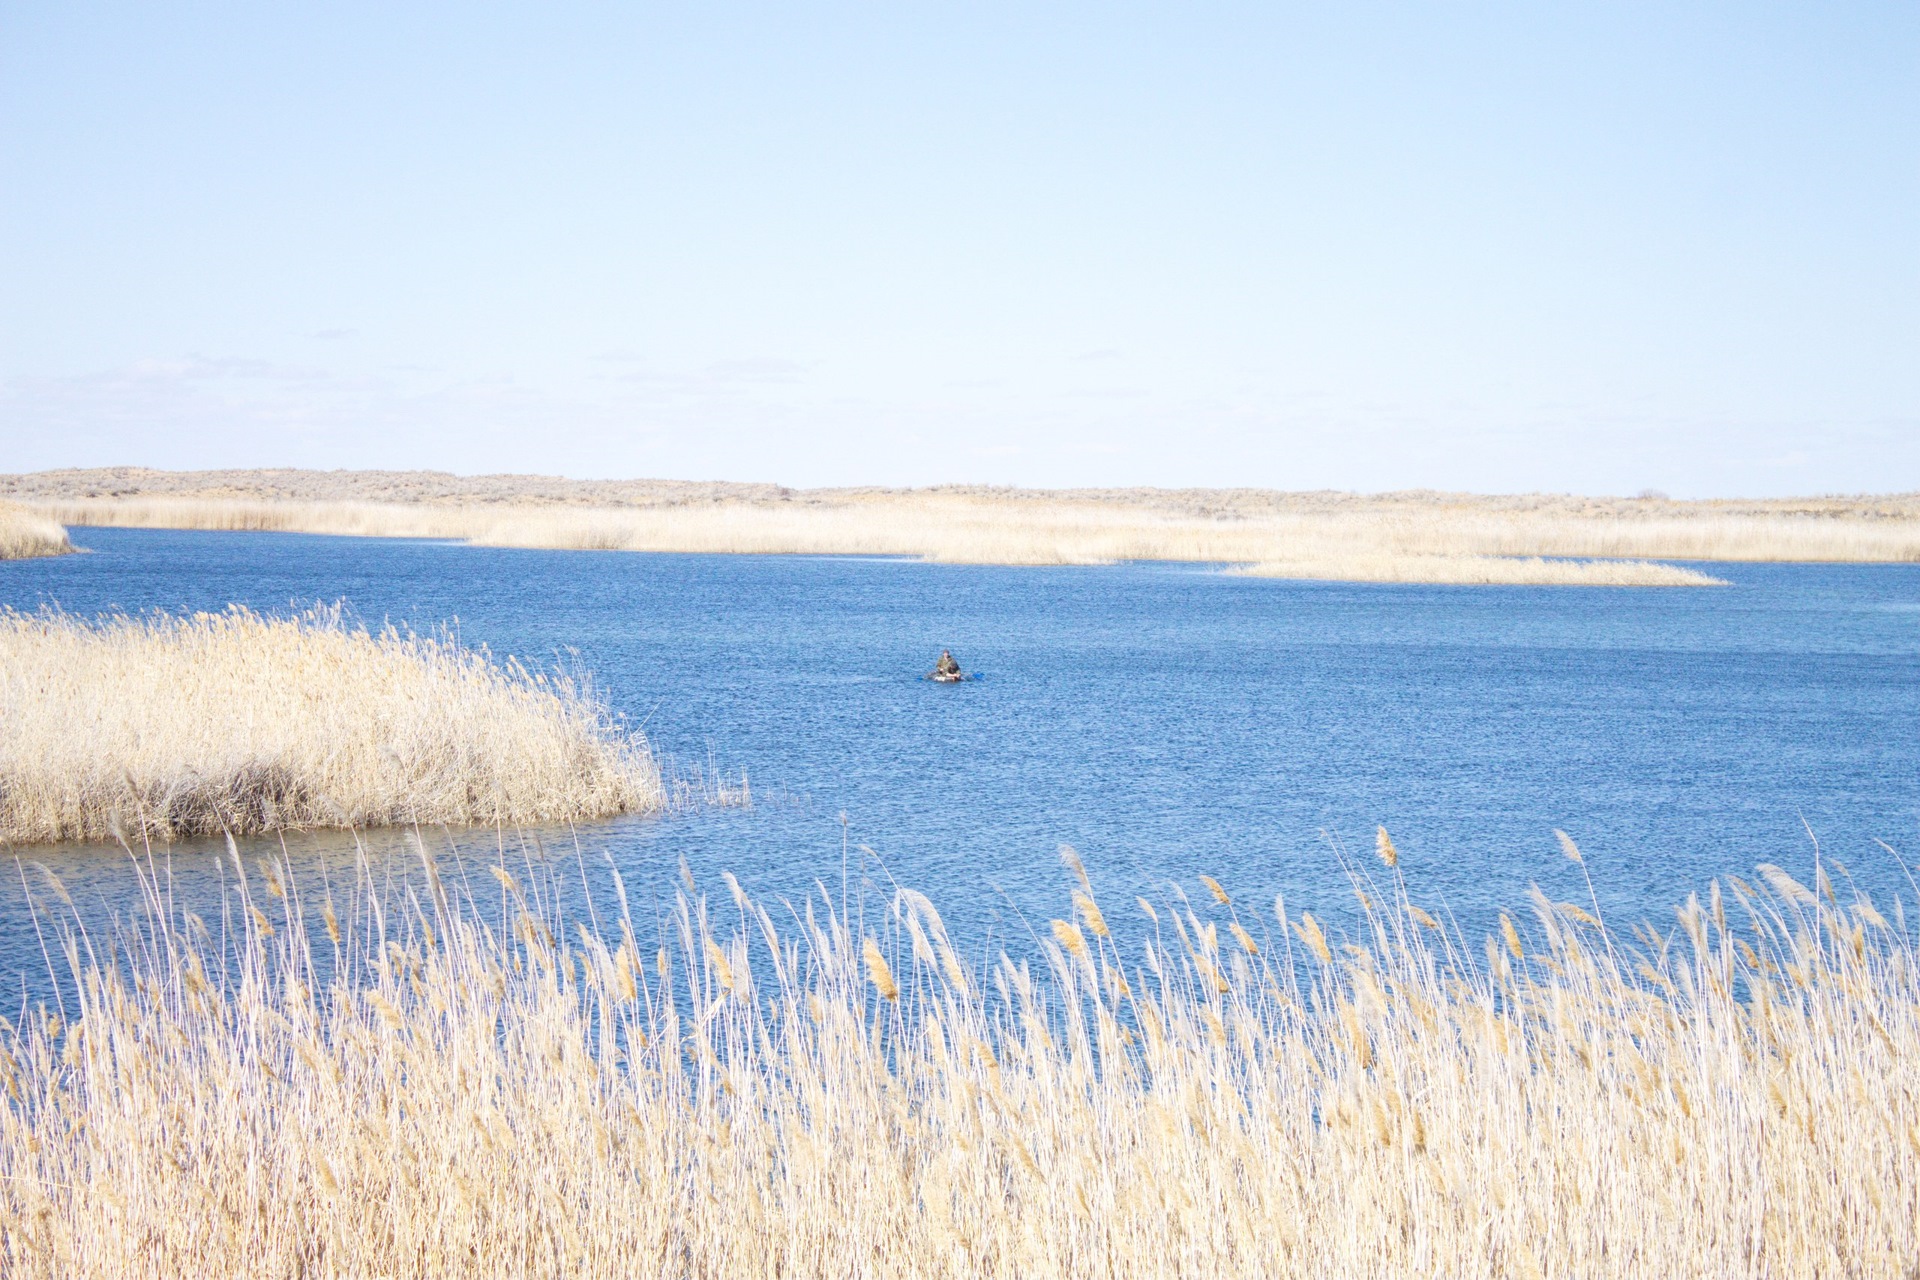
1591,248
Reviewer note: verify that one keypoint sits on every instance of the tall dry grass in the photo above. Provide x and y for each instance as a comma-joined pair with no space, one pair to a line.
26,534
1345,535
240,722
450,1082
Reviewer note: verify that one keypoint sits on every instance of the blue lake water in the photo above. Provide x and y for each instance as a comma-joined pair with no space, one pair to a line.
1167,720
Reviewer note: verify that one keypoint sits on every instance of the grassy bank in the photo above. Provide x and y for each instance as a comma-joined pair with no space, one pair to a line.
240,722
26,534
1388,537
478,1090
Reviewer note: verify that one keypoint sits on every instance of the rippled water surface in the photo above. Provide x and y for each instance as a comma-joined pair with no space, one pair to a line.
1166,720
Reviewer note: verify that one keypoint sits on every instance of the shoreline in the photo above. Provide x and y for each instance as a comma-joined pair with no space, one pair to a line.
1405,537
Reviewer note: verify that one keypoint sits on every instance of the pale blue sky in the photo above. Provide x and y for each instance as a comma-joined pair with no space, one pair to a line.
1593,248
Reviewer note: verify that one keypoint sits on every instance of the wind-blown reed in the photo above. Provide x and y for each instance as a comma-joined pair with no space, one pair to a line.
240,722
463,1086
27,534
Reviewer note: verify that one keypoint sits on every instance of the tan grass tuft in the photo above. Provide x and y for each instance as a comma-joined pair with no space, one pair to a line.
1310,933
722,971
1512,936
1090,912
879,972
1068,935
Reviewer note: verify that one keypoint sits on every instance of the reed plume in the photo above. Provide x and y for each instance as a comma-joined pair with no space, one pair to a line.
879,972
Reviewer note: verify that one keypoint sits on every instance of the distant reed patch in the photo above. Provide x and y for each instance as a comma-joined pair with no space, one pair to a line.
1468,570
448,1078
1396,537
26,534
240,722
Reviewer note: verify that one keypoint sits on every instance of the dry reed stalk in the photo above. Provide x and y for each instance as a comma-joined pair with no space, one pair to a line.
28,534
451,1099
242,723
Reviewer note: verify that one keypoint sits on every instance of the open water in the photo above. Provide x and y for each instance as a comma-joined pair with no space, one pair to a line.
1166,720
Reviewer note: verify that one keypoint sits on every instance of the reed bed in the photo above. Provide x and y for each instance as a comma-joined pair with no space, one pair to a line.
26,534
1392,537
1525,571
239,722
455,1080
1381,548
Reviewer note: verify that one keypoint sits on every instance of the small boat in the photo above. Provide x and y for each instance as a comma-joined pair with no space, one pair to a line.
946,677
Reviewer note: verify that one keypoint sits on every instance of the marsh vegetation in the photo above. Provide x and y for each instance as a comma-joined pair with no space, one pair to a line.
1416,537
456,1079
241,722
27,534
1477,570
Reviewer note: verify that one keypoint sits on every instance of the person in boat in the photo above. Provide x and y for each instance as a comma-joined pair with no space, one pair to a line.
946,668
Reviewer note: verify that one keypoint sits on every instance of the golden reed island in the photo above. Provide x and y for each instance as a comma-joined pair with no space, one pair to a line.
164,726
